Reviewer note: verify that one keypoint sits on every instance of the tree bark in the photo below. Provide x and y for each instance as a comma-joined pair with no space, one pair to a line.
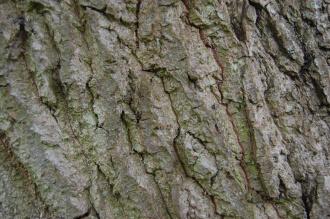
164,109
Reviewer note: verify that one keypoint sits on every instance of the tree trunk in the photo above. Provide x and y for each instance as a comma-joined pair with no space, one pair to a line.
164,109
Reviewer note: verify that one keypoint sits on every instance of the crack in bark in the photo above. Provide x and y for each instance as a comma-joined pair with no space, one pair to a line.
141,155
277,211
253,152
22,37
309,193
177,154
116,195
302,77
137,14
93,208
137,116
19,166
216,57
200,141
238,26
90,90
103,12
93,98
84,215
90,63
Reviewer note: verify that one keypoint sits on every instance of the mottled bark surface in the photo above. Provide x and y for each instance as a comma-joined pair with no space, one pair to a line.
164,109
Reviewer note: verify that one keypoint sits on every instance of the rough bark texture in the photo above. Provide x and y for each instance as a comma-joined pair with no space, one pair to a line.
164,109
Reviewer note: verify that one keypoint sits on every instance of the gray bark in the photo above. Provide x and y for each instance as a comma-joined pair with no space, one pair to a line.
164,109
